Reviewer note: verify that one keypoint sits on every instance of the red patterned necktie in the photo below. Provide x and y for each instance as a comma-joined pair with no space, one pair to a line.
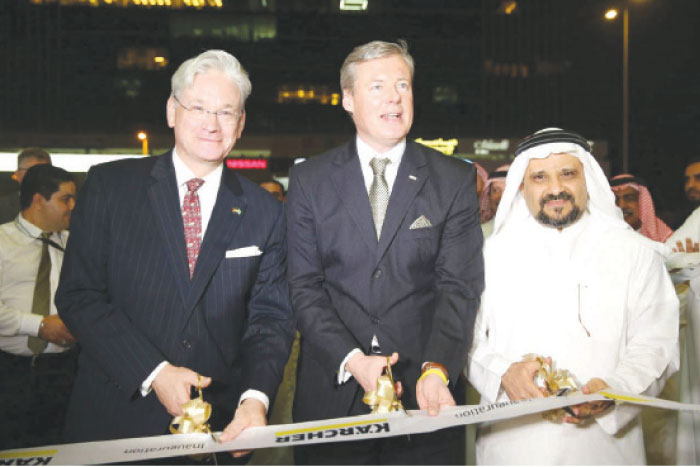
192,219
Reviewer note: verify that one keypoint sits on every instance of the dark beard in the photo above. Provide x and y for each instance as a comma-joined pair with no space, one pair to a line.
565,221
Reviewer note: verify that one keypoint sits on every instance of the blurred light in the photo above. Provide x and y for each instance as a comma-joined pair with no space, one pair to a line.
69,162
143,136
510,7
353,5
246,164
611,14
159,59
445,146
335,98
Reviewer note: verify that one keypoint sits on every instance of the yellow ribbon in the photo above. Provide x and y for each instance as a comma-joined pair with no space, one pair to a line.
383,399
196,414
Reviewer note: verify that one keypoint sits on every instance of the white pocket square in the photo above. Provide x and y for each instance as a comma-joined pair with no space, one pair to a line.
244,252
421,223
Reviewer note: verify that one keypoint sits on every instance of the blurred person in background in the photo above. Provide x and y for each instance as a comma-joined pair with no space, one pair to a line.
275,188
491,197
37,356
633,198
482,177
26,159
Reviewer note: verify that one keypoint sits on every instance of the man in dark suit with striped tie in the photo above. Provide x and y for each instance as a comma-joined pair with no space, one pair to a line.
176,270
384,260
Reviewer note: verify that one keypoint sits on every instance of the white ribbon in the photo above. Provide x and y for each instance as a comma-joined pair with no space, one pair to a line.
319,431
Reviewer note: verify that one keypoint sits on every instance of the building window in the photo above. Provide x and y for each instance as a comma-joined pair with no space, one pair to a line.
245,28
129,87
445,95
290,94
148,58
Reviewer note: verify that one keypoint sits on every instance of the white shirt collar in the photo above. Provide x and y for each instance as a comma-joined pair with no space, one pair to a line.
183,174
366,153
30,228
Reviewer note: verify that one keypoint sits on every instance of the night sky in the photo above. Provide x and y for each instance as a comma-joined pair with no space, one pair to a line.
451,41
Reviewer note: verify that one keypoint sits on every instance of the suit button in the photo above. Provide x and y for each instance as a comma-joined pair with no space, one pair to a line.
186,344
378,273
375,320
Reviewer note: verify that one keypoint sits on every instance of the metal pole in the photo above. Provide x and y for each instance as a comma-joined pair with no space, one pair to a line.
625,91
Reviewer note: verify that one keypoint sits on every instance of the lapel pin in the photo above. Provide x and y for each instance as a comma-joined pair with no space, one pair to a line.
236,211
412,177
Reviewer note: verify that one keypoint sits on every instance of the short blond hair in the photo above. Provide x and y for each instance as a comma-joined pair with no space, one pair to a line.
371,51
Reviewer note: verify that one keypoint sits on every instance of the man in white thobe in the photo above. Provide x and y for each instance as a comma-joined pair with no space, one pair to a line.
568,279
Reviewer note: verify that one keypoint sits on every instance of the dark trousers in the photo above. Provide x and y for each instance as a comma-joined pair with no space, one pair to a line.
34,394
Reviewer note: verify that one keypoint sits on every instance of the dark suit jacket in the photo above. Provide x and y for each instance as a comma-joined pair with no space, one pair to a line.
417,290
126,295
9,207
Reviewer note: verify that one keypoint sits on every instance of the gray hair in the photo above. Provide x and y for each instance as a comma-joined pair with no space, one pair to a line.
212,60
371,51
32,153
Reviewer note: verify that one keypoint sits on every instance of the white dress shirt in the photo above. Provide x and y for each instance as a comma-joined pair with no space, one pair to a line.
20,255
207,199
366,154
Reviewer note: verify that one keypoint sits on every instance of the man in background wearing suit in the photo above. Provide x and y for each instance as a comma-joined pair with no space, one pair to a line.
176,268
384,260
26,159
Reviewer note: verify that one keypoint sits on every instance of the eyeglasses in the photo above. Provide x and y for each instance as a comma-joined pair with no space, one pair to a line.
226,117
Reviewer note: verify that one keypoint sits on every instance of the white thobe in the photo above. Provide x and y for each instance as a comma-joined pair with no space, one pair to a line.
688,432
690,229
598,300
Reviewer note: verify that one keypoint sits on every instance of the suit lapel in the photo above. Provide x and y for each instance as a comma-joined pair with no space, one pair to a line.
410,178
165,205
351,188
229,209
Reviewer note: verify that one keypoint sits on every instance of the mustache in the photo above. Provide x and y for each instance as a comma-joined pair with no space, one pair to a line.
561,196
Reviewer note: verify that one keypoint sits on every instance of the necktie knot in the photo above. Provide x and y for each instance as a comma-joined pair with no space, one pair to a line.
379,165
194,184
46,235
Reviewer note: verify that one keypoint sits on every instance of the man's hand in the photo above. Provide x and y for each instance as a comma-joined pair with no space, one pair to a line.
587,411
53,330
173,385
432,393
689,247
366,369
250,413
518,382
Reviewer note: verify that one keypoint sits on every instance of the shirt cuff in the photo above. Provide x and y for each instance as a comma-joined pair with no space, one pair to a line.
146,385
255,394
29,324
344,375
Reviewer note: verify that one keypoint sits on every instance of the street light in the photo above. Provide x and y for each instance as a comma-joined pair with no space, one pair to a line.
611,15
143,136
